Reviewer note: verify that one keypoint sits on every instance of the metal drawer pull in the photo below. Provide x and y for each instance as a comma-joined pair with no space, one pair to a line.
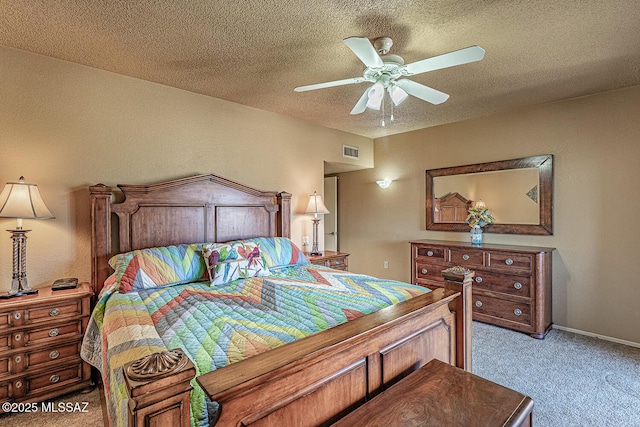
517,285
430,253
479,279
18,359
517,312
54,354
478,303
54,332
17,315
18,384
508,261
54,312
337,262
424,271
54,379
465,257
18,337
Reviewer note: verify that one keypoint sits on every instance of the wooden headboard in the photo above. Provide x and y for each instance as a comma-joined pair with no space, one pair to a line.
204,208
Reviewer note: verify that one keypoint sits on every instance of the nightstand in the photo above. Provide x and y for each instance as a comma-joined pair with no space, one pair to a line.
40,339
333,259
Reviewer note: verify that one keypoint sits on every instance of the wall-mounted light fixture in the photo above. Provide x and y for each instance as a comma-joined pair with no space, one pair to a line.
384,183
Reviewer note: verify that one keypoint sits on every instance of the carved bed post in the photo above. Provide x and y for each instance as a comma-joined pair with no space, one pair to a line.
459,279
159,387
284,215
100,233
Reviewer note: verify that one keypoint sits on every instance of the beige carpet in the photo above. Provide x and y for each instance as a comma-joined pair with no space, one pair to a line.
573,380
92,417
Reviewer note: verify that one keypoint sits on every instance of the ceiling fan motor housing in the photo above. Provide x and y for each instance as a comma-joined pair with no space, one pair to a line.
383,45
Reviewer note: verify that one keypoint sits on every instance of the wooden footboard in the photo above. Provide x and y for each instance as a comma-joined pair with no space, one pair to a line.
318,379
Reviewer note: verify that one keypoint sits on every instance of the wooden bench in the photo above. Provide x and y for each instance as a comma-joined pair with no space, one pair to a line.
439,394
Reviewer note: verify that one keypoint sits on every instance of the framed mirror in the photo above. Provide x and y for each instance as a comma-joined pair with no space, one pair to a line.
518,192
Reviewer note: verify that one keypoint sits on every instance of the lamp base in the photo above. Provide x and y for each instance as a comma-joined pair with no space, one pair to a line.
19,294
316,253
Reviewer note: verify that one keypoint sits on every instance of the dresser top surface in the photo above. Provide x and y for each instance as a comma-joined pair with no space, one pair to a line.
488,246
46,295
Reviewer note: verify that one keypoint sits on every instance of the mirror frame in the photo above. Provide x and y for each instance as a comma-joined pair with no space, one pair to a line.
543,163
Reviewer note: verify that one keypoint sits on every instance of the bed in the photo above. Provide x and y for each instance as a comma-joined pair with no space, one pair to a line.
302,345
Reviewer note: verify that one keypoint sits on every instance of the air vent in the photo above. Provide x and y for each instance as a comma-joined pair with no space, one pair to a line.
349,151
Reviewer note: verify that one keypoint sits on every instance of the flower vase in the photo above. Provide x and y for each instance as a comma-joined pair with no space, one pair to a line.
476,235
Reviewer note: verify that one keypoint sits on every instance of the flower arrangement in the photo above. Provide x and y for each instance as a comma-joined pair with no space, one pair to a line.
479,215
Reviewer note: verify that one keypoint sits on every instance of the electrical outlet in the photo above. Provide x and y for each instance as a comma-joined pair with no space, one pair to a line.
386,264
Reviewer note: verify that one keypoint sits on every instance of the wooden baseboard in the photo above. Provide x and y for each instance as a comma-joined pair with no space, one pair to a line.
602,337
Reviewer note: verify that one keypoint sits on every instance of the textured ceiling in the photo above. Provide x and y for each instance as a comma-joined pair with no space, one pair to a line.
254,52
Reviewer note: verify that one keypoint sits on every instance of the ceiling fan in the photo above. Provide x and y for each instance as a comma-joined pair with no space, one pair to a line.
385,70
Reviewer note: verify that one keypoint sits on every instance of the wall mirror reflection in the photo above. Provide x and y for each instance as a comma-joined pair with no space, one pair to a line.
519,193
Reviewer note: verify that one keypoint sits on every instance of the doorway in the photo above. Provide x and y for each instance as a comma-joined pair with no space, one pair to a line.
331,219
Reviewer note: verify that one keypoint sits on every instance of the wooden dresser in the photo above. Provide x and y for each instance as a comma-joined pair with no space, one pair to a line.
333,259
40,339
512,284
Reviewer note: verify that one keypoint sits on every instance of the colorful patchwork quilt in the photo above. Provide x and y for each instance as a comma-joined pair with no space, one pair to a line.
219,325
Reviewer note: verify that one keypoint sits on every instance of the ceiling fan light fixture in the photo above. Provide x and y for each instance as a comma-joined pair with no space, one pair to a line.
376,93
398,95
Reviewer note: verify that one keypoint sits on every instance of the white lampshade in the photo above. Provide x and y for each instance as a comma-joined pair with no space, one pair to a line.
398,95
23,201
375,96
316,205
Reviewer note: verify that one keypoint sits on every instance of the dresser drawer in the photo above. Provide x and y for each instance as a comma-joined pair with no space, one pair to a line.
41,314
57,378
509,262
430,271
502,309
53,355
339,263
4,320
431,253
4,364
467,257
46,334
505,284
5,342
52,312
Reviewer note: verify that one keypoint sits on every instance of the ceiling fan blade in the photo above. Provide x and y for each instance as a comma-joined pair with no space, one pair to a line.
423,92
458,57
361,105
329,84
364,50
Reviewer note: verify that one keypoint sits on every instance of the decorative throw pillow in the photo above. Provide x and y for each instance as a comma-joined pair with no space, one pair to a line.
160,266
236,260
279,251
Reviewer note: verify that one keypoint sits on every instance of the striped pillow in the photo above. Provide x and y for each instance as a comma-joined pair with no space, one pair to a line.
279,251
160,266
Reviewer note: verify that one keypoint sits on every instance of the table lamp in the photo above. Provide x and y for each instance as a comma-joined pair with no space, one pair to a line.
316,207
21,200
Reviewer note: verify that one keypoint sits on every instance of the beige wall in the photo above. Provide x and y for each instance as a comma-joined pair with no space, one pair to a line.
65,127
596,146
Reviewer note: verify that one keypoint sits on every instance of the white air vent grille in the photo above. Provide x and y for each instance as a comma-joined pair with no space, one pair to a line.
350,152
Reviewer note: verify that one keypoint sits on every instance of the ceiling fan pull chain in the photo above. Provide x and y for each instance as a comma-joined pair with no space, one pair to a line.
391,118
382,109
